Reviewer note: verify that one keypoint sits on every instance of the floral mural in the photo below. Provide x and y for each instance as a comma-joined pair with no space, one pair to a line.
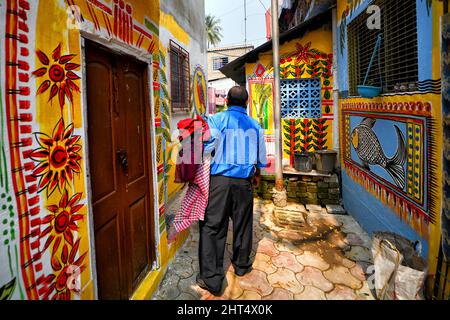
45,244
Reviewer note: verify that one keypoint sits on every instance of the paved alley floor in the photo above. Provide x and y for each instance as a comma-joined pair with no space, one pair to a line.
327,259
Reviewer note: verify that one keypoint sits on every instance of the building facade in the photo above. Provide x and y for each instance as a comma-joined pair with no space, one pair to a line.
217,58
390,144
405,123
91,91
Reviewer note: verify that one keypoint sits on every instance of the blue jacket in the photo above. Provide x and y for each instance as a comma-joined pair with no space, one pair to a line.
237,144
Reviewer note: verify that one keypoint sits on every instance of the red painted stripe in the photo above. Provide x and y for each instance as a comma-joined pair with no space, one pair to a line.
108,21
101,6
29,178
26,117
24,52
91,12
116,20
38,267
24,104
35,222
105,18
23,26
28,166
26,154
142,31
33,201
13,135
24,129
26,142
24,91
24,5
24,77
120,24
32,189
131,30
292,127
35,211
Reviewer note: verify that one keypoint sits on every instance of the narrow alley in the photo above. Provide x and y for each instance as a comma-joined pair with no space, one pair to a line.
326,258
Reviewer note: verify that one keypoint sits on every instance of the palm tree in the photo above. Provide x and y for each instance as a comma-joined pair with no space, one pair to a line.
213,30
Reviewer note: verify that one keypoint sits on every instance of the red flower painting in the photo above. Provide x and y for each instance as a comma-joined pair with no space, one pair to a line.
304,53
60,76
58,158
67,268
62,220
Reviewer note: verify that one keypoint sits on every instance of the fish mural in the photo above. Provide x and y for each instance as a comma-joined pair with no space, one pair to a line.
370,152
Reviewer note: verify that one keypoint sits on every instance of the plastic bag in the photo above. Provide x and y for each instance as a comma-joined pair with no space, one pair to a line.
399,270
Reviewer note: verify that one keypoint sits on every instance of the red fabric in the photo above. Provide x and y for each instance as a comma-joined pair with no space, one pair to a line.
185,172
195,201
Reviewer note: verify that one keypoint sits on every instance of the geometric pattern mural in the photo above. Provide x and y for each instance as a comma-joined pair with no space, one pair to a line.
301,98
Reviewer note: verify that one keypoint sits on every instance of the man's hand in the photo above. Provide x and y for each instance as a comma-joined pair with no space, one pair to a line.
256,179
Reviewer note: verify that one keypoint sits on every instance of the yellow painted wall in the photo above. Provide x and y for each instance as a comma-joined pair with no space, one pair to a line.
393,105
300,58
47,36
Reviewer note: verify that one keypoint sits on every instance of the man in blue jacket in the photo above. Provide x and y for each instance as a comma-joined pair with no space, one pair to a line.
238,149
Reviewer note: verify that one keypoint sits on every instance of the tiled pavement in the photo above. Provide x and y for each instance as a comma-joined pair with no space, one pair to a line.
326,260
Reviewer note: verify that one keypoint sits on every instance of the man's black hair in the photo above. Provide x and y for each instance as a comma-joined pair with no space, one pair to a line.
238,96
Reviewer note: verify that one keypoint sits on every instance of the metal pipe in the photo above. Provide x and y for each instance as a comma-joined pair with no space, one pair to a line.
276,98
245,21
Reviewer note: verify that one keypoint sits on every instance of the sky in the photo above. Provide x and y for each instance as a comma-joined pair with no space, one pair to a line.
231,15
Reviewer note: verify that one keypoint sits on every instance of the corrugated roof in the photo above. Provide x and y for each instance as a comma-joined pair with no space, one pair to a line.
228,48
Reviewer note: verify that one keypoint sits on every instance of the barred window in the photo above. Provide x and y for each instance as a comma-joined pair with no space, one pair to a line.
301,98
398,56
219,62
179,77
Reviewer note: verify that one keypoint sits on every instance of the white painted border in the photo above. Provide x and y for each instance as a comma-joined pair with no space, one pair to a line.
121,48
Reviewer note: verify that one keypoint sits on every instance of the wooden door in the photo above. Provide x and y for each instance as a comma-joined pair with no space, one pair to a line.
120,170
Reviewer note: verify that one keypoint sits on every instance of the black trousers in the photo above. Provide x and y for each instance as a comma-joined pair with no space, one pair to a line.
228,198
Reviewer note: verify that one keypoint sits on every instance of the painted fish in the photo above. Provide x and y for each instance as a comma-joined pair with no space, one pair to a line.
370,152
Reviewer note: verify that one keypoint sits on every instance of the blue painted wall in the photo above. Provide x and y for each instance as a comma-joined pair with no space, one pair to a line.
372,215
370,212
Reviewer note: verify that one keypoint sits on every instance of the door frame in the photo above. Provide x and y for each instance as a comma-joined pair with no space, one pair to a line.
150,139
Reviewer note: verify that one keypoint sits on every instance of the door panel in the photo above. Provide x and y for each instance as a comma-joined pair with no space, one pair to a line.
108,262
133,98
120,170
138,238
100,121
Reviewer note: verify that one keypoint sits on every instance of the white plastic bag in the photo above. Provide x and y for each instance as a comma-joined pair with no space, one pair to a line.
399,270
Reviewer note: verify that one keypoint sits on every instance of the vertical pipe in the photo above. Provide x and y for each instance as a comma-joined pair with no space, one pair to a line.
276,98
336,120
245,22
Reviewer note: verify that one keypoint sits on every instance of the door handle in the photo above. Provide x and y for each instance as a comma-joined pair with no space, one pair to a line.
123,158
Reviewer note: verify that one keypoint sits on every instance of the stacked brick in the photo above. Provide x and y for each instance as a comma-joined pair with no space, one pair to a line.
305,189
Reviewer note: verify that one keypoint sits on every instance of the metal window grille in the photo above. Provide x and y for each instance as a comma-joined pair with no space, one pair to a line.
219,62
398,59
179,77
301,98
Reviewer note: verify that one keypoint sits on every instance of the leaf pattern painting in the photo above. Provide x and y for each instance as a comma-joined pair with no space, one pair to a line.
7,290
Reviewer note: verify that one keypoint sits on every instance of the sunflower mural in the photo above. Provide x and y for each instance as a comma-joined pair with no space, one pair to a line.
58,158
59,75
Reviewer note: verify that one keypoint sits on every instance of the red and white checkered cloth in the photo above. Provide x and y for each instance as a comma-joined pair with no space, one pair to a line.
195,201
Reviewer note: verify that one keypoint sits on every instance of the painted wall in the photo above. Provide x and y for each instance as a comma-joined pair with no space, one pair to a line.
403,132
309,56
45,219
